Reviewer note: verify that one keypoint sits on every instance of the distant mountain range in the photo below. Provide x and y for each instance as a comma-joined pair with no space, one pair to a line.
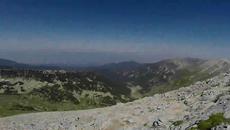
147,78
9,64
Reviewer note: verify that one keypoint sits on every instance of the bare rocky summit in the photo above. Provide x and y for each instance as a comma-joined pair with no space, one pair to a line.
178,110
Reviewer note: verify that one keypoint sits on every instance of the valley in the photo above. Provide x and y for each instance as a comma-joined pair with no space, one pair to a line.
38,89
169,94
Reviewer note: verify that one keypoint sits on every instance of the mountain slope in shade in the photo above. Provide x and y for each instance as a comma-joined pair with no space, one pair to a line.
121,66
8,63
165,75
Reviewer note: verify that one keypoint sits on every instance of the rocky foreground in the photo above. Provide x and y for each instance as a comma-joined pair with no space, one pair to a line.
180,109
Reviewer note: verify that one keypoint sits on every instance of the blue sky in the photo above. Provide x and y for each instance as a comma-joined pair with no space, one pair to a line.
101,31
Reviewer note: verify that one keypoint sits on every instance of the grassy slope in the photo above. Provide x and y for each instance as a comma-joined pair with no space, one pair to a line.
18,104
185,78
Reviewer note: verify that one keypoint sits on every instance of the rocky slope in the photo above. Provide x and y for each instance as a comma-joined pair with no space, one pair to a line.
187,108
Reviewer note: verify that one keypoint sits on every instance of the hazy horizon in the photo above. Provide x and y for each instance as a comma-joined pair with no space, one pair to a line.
83,32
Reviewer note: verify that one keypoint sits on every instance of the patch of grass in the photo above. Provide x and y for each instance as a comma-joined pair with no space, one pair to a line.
19,104
213,121
22,107
177,123
145,125
194,128
151,110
